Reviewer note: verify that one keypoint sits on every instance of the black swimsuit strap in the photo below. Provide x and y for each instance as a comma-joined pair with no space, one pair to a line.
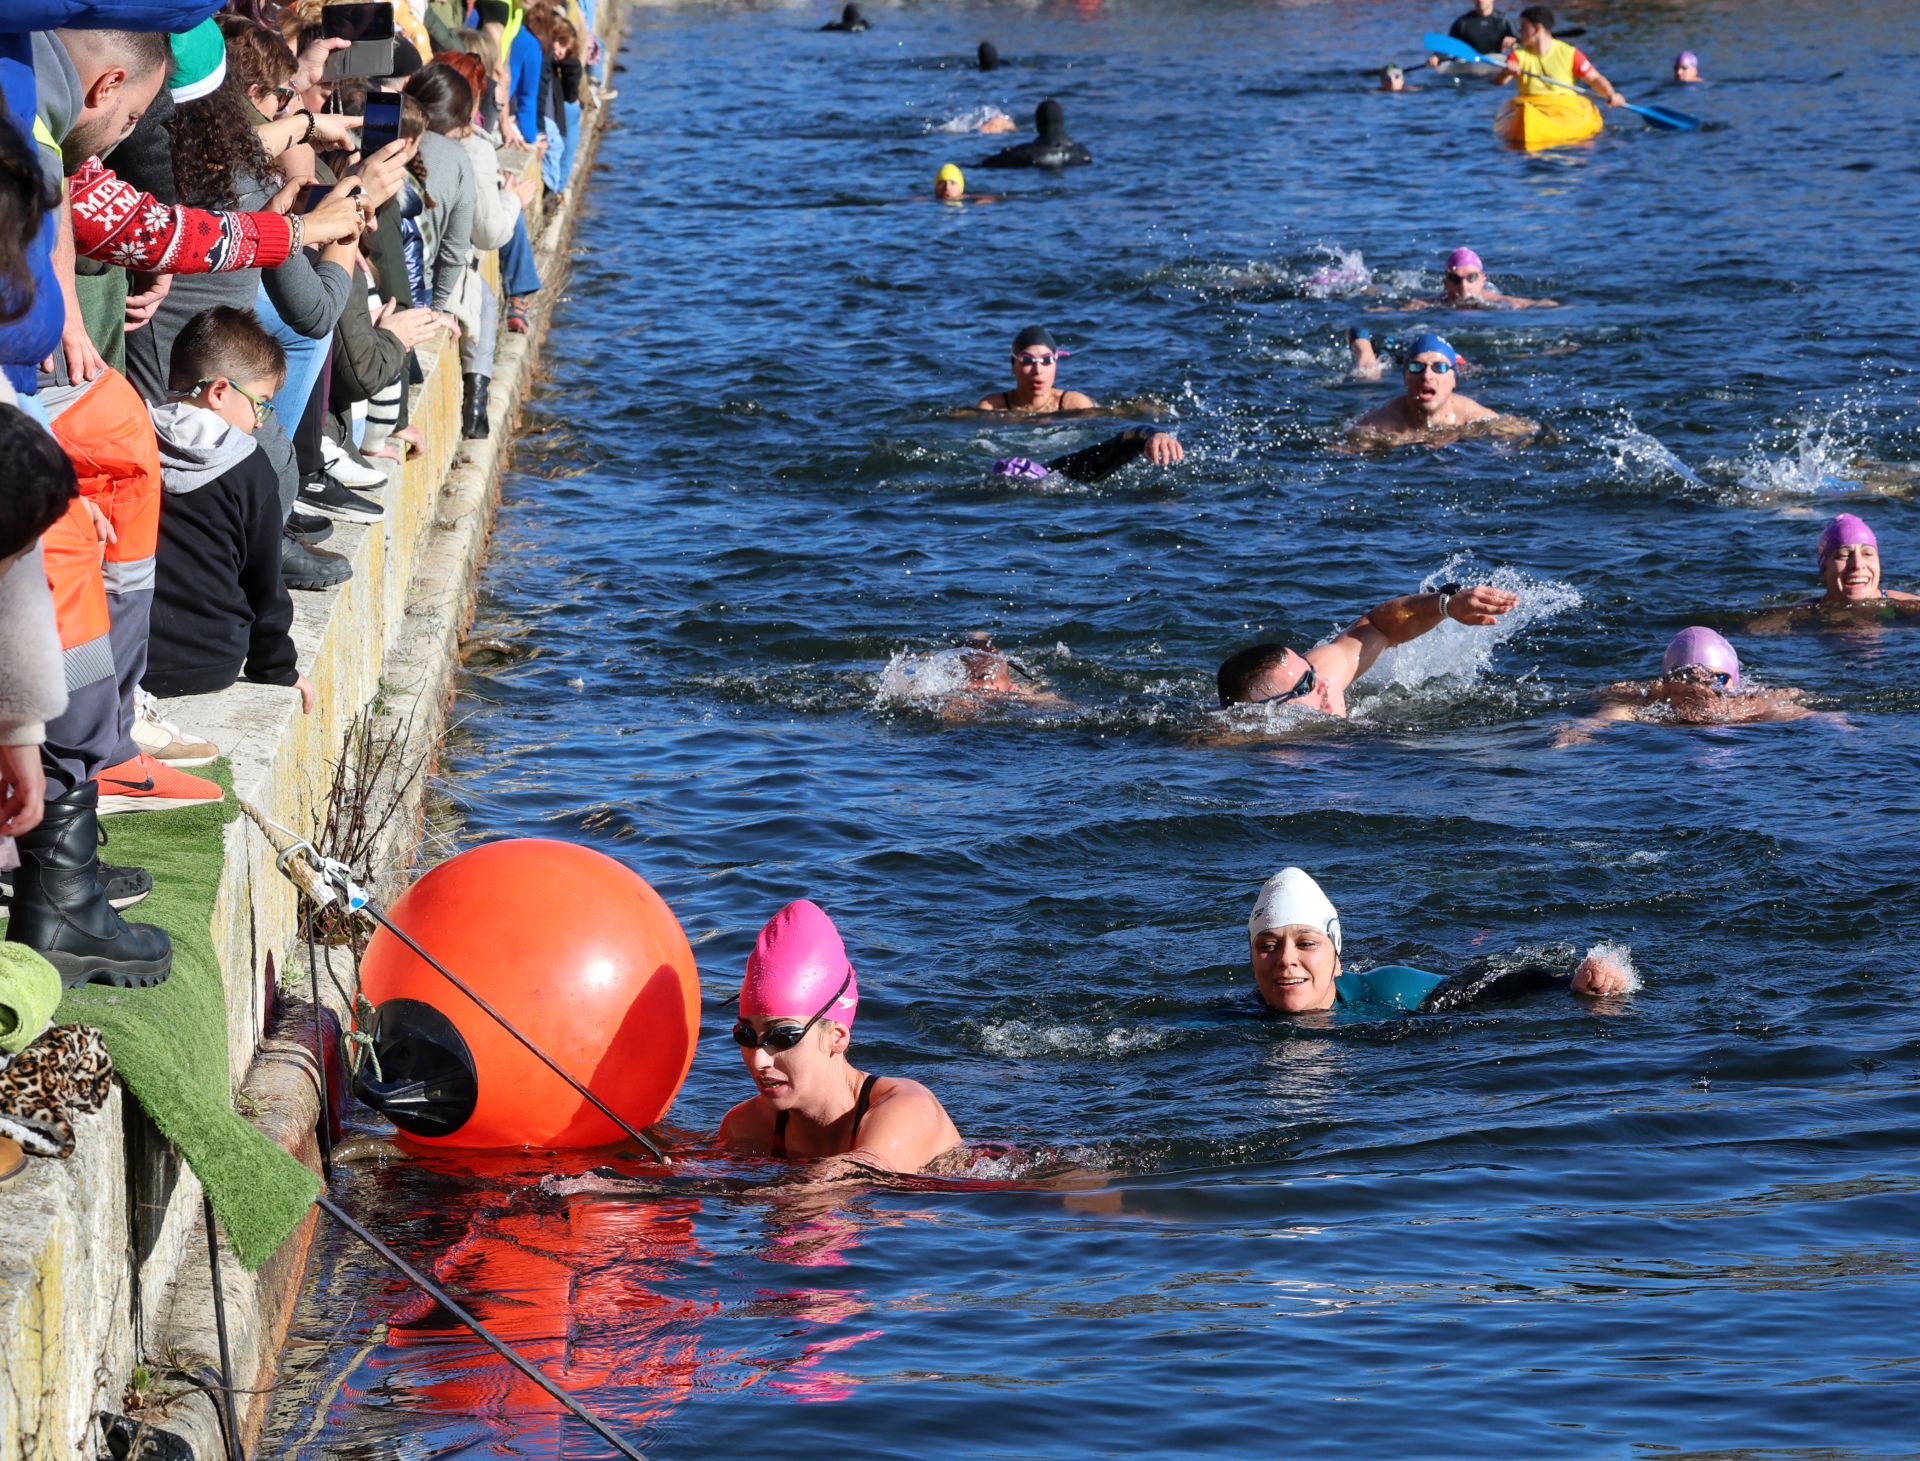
860,1103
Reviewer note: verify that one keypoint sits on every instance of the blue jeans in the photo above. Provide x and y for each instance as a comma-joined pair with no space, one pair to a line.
306,358
518,272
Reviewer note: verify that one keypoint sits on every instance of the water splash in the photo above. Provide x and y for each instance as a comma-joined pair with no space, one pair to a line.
1462,653
1822,461
1027,1039
1622,955
971,120
1344,273
1642,459
918,677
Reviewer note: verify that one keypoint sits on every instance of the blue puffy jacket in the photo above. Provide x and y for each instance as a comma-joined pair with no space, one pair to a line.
34,336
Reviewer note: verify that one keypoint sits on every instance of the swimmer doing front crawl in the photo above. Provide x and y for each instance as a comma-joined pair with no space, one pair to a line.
1293,937
797,1004
1272,674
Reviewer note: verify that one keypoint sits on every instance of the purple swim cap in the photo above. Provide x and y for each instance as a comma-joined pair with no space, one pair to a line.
1465,259
1686,58
1023,468
1702,647
799,968
1845,531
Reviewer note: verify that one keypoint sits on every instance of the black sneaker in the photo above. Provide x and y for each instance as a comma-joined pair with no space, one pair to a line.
124,886
307,567
310,525
325,496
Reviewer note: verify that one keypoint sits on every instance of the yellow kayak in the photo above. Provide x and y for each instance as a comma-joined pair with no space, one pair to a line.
1555,120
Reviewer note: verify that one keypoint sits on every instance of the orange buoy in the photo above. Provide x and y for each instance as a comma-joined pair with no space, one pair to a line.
576,952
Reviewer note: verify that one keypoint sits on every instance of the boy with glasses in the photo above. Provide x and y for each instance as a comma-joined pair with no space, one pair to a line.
220,606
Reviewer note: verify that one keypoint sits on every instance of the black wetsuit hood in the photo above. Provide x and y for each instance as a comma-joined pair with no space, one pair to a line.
1052,148
850,19
989,56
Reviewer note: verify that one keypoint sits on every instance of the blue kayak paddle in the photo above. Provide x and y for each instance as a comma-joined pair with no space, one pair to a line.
1460,51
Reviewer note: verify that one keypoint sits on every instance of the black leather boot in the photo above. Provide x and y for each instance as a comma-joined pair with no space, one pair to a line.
473,406
60,911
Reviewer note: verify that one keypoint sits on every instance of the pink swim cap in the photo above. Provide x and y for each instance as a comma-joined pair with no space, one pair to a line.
1702,647
797,969
1845,531
1686,58
1465,259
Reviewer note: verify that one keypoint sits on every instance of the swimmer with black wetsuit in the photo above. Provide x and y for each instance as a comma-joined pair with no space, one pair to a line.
850,21
989,56
1273,674
1488,32
797,1004
1294,940
1052,147
1100,461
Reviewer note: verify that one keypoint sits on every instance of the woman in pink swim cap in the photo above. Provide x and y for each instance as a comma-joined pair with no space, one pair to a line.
797,1005
1699,683
1849,557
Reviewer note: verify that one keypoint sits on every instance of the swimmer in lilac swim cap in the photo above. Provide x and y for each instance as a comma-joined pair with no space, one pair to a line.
1686,67
1465,285
1847,555
797,1004
1700,683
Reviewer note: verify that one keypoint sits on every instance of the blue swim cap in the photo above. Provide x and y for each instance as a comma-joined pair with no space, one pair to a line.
1431,341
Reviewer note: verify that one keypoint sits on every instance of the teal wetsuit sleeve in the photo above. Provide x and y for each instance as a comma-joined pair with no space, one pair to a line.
1392,984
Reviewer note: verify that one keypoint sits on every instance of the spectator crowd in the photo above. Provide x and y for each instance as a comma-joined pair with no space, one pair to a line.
211,299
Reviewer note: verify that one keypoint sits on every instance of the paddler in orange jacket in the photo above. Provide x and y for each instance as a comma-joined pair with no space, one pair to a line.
1539,55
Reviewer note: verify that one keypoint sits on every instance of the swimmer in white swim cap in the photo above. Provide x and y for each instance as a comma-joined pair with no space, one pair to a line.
1294,940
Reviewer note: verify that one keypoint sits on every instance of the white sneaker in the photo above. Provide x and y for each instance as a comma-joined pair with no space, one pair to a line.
346,471
163,740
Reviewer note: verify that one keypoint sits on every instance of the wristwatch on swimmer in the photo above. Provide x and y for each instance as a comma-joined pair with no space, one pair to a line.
1446,592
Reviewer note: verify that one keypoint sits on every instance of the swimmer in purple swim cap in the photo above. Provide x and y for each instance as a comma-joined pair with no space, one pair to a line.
1700,683
797,1004
1686,67
1848,557
1464,285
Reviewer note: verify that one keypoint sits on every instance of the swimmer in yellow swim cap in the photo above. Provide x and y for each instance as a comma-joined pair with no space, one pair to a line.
949,184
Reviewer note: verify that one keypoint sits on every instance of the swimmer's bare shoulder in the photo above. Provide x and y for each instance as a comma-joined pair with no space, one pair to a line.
1077,401
747,1127
1389,418
993,401
905,1127
1468,411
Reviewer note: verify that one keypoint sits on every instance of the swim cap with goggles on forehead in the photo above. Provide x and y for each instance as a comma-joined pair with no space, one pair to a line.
1290,897
1845,531
1700,647
799,969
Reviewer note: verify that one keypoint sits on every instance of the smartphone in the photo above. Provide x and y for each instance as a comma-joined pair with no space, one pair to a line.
313,195
381,121
370,28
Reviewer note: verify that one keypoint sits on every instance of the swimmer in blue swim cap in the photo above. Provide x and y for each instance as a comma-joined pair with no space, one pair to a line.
1700,683
1273,674
1294,940
1429,408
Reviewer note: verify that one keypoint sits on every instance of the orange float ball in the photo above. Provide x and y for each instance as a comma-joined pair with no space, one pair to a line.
575,951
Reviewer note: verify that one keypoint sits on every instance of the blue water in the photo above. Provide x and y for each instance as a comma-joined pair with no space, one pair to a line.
744,522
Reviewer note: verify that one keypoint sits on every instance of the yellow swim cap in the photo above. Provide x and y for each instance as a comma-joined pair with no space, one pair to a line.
951,174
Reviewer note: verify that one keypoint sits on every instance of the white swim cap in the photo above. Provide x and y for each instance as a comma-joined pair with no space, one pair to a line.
1290,896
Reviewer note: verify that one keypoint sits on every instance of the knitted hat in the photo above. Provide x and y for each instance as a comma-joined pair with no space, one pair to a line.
199,62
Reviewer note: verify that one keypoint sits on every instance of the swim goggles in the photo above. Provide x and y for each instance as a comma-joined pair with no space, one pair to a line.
1465,276
1038,361
1700,675
1304,686
1421,367
778,1038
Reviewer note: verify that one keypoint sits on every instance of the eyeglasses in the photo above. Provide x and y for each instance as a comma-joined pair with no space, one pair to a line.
1465,276
262,410
1305,685
1035,362
286,95
779,1038
1421,367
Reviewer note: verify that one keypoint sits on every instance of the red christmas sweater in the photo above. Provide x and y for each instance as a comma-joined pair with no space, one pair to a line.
115,223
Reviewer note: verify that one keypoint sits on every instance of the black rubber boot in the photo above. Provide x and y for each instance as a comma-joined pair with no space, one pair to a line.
473,407
60,911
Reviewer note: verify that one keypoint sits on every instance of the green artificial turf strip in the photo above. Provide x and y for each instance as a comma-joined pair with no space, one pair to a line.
169,1043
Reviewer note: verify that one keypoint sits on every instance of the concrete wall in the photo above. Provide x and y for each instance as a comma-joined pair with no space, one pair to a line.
103,1257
